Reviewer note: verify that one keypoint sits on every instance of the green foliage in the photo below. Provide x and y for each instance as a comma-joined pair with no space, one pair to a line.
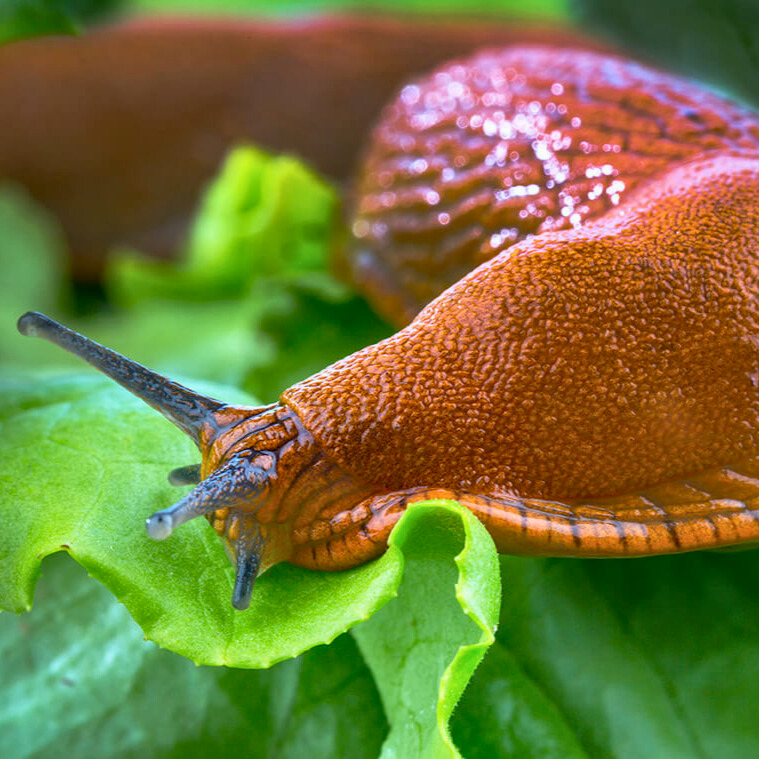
31,18
32,258
80,681
717,42
543,9
263,216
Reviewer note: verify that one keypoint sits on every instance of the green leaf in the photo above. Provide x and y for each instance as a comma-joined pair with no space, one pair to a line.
646,657
504,713
262,216
82,463
302,329
715,42
215,341
32,18
79,680
424,646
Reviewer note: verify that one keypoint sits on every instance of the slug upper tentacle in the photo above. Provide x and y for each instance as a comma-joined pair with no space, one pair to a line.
185,475
187,410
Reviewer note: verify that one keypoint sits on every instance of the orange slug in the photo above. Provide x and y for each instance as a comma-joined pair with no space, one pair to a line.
483,152
588,391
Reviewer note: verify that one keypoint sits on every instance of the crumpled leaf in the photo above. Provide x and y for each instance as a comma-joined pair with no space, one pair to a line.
82,463
424,646
261,216
79,680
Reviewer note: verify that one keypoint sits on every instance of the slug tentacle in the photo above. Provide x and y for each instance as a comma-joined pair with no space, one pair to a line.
188,410
185,475
239,483
247,564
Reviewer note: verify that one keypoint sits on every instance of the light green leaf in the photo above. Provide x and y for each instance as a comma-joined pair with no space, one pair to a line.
262,216
82,464
551,9
424,646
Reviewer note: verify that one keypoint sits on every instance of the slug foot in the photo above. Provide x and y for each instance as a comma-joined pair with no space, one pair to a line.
713,509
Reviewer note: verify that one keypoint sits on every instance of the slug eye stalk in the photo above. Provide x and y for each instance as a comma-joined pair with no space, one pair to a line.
235,486
186,409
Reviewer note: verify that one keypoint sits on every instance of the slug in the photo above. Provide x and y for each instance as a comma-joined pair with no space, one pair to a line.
485,151
117,131
587,391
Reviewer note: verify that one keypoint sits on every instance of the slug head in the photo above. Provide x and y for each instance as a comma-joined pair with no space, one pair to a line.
235,479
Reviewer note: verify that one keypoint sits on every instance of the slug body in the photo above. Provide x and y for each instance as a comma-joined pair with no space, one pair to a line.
592,391
486,151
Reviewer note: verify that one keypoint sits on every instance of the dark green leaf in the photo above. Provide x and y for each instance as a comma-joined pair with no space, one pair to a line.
717,42
32,18
504,713
80,681
305,327
646,657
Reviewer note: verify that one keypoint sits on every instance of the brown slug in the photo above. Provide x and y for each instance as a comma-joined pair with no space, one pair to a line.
588,391
117,131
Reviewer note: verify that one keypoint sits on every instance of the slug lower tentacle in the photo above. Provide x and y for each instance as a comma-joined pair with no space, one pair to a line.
592,391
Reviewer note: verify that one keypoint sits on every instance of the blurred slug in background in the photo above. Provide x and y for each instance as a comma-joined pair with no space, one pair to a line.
572,243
